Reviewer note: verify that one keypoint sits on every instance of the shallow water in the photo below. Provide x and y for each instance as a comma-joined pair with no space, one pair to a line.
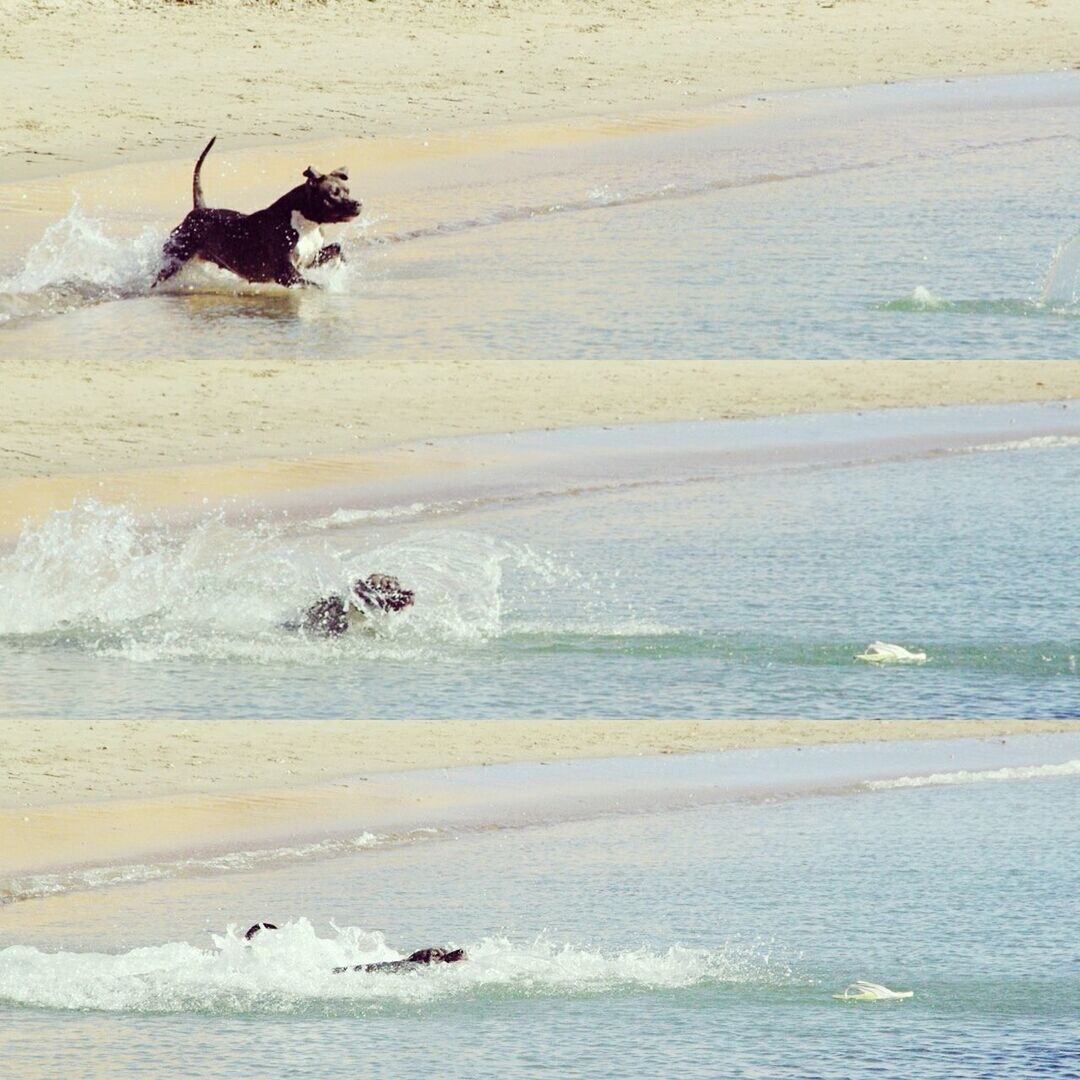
693,586
707,939
922,220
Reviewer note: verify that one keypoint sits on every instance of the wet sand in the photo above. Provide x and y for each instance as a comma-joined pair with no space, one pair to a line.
113,790
173,433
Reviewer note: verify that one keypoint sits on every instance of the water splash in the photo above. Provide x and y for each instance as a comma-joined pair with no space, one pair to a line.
76,263
1060,296
97,578
1062,287
291,971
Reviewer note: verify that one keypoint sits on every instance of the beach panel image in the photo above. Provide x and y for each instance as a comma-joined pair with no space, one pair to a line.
920,222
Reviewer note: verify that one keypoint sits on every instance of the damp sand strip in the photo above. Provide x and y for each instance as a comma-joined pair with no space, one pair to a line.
624,420
96,793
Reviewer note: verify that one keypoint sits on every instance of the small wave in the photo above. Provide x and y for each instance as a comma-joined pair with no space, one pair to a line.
1036,442
922,299
979,776
35,886
355,516
290,971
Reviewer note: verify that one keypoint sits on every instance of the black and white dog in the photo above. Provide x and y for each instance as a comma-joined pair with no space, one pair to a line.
275,244
421,958
377,594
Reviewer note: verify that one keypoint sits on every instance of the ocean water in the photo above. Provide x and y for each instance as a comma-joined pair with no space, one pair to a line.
699,941
927,220
741,573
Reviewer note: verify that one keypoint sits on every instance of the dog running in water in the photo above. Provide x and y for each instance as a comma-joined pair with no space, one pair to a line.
332,615
420,958
275,244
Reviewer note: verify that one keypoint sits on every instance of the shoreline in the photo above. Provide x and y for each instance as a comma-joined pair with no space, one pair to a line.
181,787
216,456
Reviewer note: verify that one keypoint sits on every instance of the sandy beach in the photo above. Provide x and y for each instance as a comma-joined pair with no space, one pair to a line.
173,432
177,430
113,790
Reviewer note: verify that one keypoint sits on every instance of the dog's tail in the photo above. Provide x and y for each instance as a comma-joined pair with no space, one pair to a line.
196,184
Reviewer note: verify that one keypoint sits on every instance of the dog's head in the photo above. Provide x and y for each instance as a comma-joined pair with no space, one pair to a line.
381,592
325,198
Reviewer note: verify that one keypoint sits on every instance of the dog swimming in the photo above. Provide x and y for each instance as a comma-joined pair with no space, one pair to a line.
332,616
275,244
421,958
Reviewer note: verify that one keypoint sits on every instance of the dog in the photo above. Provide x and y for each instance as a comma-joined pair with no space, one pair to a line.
431,955
331,616
275,244
419,958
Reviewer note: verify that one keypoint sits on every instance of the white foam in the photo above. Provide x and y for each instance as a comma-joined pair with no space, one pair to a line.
291,970
978,776
34,886
1036,442
203,277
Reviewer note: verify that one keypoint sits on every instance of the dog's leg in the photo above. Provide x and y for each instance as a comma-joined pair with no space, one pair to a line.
179,248
329,253
289,276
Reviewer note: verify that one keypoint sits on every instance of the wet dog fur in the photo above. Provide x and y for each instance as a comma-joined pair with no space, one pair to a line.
275,244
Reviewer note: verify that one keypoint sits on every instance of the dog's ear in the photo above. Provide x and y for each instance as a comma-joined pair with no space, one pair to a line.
340,173
312,175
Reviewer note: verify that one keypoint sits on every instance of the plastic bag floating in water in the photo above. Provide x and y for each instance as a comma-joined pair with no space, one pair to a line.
881,652
861,990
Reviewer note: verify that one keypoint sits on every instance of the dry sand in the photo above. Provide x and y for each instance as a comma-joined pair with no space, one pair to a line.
112,789
92,82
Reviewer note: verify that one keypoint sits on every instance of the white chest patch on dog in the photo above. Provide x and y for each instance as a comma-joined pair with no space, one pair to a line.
310,241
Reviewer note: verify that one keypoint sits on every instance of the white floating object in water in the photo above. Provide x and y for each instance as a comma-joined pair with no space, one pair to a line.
881,652
861,990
